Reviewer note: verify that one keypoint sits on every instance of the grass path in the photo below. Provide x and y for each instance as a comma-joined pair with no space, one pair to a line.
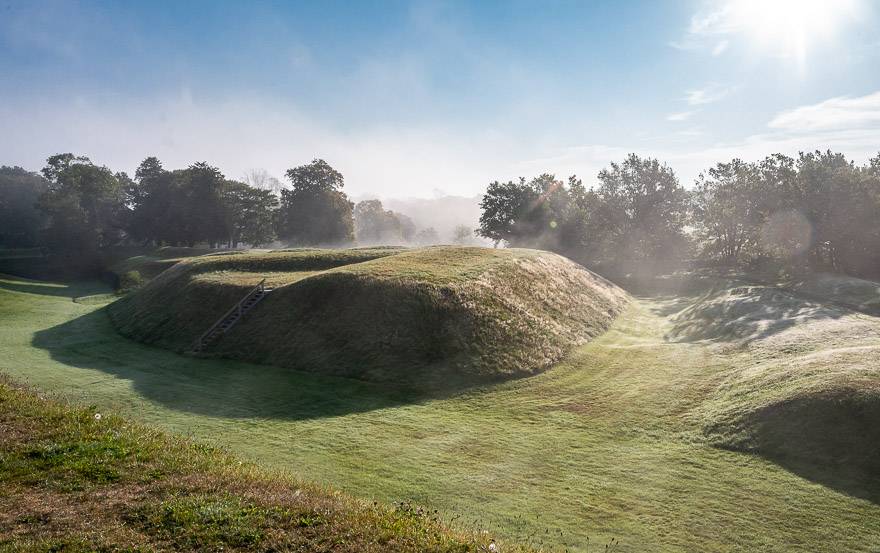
605,445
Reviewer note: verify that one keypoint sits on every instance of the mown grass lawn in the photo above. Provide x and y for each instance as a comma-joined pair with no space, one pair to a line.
605,445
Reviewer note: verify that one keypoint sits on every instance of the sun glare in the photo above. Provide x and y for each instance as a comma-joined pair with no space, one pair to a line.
790,28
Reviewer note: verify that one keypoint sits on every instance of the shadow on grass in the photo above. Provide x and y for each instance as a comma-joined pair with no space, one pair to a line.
831,439
44,288
741,315
217,388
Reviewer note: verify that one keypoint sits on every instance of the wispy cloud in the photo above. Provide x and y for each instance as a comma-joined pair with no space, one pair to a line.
705,28
842,112
720,47
707,95
680,116
847,125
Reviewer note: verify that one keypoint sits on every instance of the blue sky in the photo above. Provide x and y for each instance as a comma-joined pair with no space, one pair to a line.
425,98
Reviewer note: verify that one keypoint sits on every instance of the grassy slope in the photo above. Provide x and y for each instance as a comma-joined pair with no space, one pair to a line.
805,389
609,443
435,317
150,265
71,481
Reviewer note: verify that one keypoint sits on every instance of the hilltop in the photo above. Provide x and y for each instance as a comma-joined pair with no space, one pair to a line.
428,317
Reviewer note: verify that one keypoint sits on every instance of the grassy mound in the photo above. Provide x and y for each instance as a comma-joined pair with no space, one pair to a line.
806,388
429,317
135,271
73,480
861,295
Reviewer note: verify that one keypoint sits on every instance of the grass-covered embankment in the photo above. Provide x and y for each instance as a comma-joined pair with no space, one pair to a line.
804,388
135,271
427,318
72,479
611,442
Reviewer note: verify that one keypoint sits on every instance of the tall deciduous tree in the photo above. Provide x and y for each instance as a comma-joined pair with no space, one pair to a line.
20,220
315,211
249,214
524,213
83,204
728,210
463,235
373,224
640,217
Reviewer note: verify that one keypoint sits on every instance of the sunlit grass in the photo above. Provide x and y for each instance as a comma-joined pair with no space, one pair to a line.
608,444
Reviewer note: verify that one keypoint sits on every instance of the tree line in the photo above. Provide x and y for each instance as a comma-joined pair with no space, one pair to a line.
818,211
77,207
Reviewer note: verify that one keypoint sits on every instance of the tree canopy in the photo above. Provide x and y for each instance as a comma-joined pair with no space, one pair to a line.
20,221
315,211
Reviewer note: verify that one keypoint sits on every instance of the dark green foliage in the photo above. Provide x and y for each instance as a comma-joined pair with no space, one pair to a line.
130,280
315,211
197,205
249,214
542,213
632,222
83,204
20,220
818,211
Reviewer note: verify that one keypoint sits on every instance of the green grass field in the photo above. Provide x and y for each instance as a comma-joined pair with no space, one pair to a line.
75,480
613,442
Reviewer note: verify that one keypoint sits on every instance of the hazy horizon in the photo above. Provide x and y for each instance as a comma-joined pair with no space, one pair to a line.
425,99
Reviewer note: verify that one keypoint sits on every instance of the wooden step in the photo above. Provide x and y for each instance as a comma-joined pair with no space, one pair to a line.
229,320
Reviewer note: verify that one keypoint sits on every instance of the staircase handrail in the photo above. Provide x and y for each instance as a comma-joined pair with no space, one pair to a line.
237,307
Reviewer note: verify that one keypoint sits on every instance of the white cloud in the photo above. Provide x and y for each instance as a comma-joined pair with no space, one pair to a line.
842,112
680,116
847,125
720,47
706,95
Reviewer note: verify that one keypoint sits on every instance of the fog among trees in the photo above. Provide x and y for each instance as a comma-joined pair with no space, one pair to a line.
818,211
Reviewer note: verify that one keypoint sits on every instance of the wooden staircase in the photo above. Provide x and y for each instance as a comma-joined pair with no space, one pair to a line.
228,320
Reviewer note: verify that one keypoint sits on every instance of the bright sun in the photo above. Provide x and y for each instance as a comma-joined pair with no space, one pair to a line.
790,27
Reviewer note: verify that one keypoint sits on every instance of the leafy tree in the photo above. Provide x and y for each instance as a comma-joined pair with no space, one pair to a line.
832,199
525,214
20,220
427,237
261,179
463,235
203,210
83,203
727,210
249,214
154,208
373,224
315,211
638,223
407,227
